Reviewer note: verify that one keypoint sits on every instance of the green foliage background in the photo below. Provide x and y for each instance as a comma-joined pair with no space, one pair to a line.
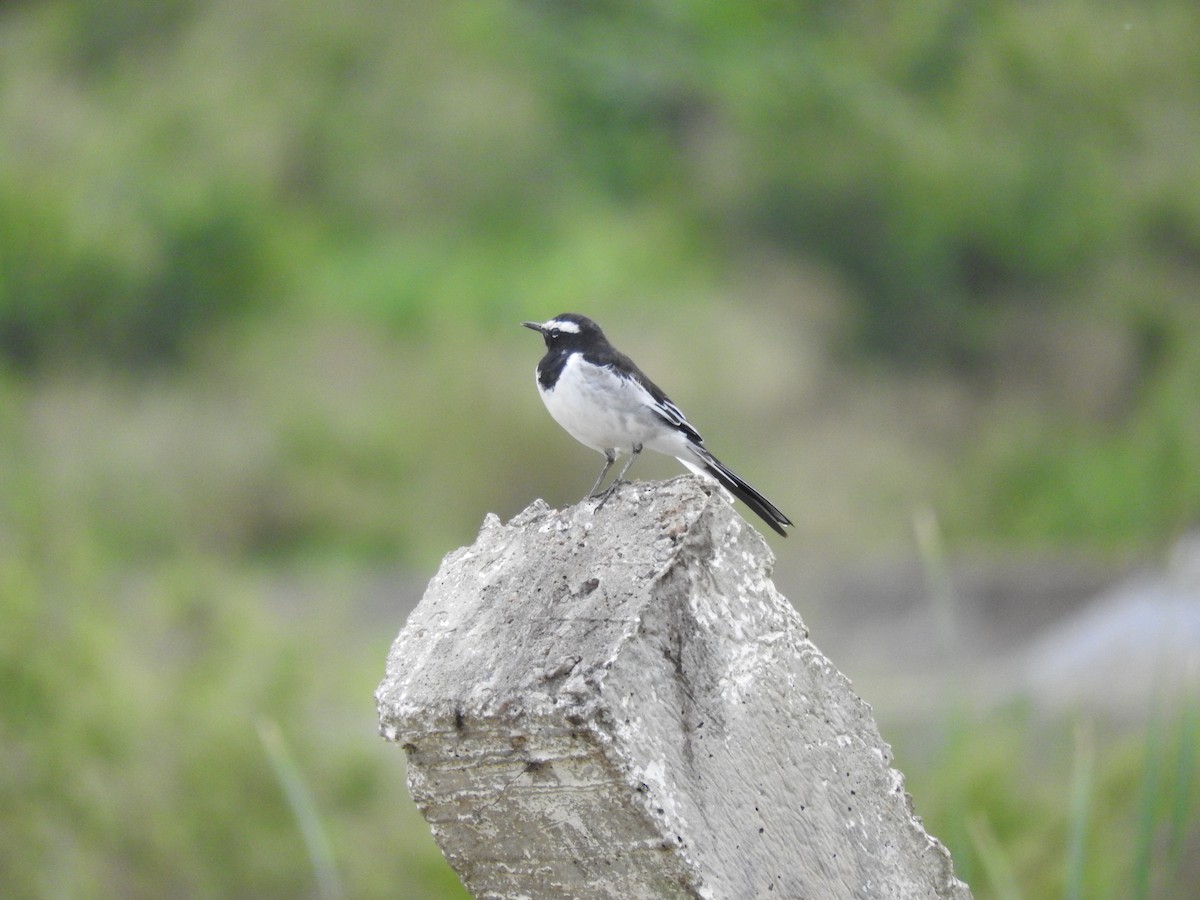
260,269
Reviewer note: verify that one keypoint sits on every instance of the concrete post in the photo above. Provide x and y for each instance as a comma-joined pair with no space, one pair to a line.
618,703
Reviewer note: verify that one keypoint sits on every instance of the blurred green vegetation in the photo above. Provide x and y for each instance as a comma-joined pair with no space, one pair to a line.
1010,792
260,269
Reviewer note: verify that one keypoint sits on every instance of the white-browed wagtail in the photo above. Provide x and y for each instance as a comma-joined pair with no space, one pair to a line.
607,403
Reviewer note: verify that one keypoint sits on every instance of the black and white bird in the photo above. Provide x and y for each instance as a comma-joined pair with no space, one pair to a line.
607,403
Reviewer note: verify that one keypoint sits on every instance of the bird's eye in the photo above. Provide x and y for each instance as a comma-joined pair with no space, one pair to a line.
554,332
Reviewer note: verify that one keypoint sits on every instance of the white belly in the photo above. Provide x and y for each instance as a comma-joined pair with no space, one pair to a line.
600,409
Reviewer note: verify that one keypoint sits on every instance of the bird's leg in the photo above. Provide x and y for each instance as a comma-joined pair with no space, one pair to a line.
619,480
610,457
637,448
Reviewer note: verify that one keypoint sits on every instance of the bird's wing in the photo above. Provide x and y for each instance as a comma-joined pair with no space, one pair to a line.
674,416
625,368
663,406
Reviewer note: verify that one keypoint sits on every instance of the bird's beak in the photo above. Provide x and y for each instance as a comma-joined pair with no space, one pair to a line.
536,326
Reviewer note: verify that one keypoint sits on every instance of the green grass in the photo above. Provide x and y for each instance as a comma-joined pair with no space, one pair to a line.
133,760
1080,815
1036,807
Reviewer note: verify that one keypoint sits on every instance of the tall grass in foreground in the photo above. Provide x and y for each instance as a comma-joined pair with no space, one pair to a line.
1082,778
1166,807
304,808
1128,823
1039,808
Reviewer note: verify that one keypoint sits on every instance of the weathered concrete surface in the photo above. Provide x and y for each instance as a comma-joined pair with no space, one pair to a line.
618,703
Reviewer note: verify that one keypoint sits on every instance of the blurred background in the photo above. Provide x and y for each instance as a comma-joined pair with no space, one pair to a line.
927,276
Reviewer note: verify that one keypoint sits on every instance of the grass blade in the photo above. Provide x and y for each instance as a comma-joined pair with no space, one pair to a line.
991,855
304,808
1081,809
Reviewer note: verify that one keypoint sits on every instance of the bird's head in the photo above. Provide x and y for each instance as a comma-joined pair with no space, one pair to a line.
567,330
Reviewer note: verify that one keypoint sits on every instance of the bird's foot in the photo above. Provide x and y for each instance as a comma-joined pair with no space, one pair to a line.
606,493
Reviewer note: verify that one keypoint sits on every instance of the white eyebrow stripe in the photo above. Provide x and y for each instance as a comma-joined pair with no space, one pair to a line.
562,325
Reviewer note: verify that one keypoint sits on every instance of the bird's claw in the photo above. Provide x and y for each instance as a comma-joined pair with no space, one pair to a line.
606,493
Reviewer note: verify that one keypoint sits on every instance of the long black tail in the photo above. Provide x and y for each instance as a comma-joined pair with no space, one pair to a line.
732,482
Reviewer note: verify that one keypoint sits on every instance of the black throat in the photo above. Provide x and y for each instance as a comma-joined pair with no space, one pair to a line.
551,367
